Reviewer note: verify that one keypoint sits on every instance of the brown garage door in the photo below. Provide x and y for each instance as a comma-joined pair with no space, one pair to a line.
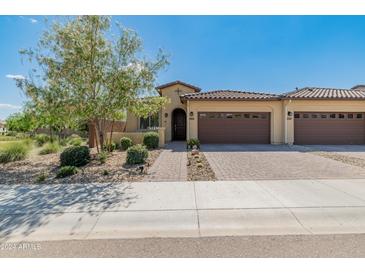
329,128
234,127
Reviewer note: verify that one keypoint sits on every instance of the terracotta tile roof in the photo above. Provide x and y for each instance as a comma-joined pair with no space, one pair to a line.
325,93
178,83
229,95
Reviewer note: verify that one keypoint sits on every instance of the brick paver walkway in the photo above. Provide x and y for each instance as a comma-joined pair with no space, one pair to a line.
170,165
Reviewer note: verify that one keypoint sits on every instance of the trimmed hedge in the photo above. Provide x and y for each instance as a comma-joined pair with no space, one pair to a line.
151,140
125,143
75,156
137,154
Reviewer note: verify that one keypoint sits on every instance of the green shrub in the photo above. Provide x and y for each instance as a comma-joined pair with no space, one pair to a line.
14,151
151,140
110,147
105,172
41,139
41,177
137,154
66,171
193,142
102,157
126,143
75,156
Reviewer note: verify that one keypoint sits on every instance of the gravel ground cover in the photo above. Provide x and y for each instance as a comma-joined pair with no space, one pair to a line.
35,166
199,168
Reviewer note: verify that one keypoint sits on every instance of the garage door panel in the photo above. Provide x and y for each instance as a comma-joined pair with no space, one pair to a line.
250,128
349,129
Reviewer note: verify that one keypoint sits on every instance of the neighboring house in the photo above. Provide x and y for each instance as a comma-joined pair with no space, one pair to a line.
2,127
304,116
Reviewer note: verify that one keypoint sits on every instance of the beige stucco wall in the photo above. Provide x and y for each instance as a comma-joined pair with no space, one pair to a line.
132,122
319,106
137,137
274,107
172,93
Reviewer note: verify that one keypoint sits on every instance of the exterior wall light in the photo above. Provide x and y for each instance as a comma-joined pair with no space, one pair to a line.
290,113
191,114
166,115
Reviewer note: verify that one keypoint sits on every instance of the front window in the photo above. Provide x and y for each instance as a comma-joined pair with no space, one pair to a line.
149,122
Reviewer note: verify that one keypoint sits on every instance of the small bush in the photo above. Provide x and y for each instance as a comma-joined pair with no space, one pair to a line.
75,156
15,151
110,147
193,142
41,178
151,140
102,157
105,172
41,139
66,171
49,148
137,154
125,143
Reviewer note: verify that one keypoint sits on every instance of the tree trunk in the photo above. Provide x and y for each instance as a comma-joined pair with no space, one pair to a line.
111,133
100,133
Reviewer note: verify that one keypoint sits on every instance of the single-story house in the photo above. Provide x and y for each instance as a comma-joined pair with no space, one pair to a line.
305,116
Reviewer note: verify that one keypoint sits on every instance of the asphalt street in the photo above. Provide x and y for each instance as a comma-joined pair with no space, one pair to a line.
345,245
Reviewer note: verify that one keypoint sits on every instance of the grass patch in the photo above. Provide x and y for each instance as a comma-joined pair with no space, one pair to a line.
50,148
14,151
66,171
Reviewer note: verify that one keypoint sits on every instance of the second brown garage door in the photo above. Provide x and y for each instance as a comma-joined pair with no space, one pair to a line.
234,127
329,128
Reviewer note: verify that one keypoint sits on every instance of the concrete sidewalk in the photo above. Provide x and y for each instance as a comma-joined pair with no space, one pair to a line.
181,209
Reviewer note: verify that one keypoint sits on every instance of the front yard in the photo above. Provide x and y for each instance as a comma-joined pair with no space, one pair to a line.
41,164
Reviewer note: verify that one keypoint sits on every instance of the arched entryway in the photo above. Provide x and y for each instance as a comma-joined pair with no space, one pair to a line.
178,126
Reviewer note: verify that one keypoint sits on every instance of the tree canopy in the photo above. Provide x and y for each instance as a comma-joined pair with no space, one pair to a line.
82,70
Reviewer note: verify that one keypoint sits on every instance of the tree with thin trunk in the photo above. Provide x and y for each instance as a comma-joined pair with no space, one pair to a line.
96,72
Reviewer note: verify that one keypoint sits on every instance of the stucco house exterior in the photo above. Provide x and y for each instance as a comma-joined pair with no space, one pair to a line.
305,116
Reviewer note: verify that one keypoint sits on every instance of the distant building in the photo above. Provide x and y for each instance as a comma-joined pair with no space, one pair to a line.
2,127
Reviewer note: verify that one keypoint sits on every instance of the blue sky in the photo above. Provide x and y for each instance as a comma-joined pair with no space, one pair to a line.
259,53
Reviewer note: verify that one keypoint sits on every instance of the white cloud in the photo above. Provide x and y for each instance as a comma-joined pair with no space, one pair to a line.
15,76
33,21
9,106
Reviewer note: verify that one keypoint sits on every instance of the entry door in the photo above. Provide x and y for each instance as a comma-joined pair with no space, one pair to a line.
179,124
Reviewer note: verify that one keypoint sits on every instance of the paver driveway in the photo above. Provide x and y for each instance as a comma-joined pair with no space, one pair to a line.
260,162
